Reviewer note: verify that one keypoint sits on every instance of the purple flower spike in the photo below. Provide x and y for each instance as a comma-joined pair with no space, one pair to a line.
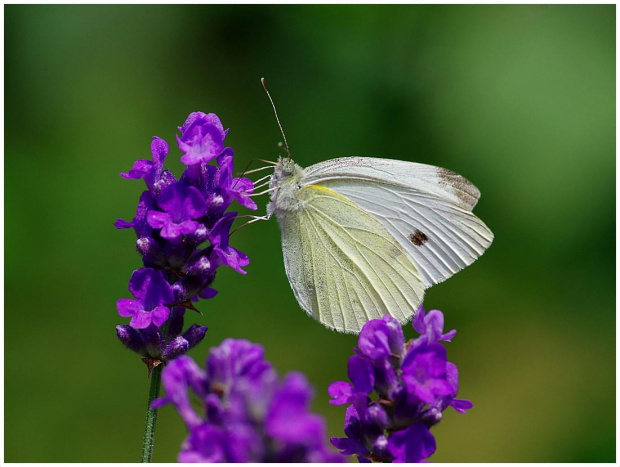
249,415
182,204
398,391
183,237
202,138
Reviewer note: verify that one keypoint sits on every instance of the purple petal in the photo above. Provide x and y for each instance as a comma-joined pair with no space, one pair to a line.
195,334
240,189
461,405
178,346
223,253
178,376
348,446
131,339
386,379
207,293
413,444
182,204
123,224
418,320
194,204
452,376
378,416
201,139
140,224
424,372
153,341
157,219
431,325
219,235
382,338
361,373
233,258
143,319
340,392
189,227
159,315
159,151
243,185
288,418
140,169
151,287
172,232
175,323
211,119
234,359
205,444
244,444
127,307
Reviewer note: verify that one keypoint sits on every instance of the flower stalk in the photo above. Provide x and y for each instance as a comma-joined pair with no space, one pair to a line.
151,415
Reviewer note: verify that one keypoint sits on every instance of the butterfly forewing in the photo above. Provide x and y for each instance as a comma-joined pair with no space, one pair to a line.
426,209
423,178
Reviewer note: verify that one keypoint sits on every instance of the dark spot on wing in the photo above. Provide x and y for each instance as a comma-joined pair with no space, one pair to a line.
418,238
464,190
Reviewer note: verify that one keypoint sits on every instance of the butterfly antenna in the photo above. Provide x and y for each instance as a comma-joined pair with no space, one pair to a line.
264,83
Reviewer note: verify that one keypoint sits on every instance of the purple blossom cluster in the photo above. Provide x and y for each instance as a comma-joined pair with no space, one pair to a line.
248,414
183,233
398,390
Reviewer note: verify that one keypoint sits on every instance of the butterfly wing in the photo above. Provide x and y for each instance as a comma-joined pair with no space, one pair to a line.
344,267
426,209
435,181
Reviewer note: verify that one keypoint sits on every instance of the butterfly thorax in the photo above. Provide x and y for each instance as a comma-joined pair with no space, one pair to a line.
285,183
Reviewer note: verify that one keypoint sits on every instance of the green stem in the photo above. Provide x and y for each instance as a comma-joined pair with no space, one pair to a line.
151,415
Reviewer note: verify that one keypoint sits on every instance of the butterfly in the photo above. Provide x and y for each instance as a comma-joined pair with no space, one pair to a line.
364,237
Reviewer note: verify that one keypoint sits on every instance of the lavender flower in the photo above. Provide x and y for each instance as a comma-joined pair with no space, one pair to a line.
398,390
249,415
183,233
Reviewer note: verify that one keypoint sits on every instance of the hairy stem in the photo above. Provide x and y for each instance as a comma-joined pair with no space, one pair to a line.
151,415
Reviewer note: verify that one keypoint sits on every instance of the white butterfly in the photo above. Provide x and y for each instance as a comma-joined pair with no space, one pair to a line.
364,237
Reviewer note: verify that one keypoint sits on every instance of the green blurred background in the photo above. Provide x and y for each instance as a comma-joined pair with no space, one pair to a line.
519,99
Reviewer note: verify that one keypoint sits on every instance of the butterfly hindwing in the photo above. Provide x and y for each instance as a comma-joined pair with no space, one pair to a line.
351,269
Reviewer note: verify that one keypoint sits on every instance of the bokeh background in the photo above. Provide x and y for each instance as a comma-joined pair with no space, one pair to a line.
519,99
